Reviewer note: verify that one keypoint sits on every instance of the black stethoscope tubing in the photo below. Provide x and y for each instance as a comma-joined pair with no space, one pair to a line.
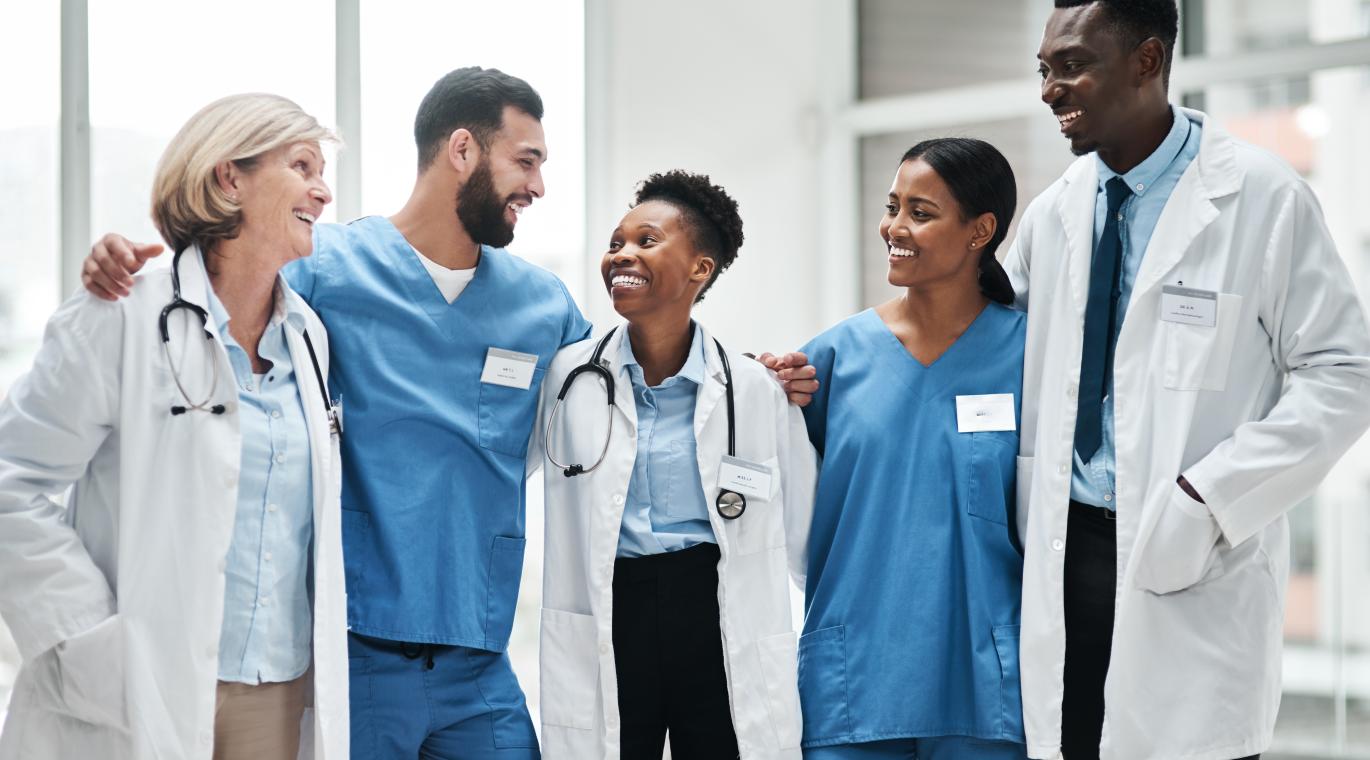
730,504
177,302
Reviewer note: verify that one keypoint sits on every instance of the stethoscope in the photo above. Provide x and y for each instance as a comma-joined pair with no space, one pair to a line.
730,504
331,410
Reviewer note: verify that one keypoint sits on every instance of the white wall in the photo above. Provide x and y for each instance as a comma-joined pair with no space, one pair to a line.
731,89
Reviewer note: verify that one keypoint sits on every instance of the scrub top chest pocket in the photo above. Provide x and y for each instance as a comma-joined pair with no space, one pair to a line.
987,425
509,384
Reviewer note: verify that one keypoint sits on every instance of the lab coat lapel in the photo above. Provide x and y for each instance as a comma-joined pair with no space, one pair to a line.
1075,208
623,384
1212,175
711,391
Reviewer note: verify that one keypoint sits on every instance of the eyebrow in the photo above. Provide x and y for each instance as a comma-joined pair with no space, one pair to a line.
1067,50
917,199
538,152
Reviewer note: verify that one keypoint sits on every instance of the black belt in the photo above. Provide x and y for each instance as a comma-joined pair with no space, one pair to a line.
1091,512
699,558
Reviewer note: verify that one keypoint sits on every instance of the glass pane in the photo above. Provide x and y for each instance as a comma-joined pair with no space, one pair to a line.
30,257
407,45
1033,146
1241,26
141,94
911,47
29,291
1320,125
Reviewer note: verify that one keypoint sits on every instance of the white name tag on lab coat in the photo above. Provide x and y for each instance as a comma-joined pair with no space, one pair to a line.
746,478
509,368
983,414
1189,306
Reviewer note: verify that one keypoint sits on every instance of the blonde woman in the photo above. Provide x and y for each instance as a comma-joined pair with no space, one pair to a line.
185,599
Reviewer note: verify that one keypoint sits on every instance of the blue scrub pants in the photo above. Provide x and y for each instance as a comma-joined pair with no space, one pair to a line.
435,702
930,748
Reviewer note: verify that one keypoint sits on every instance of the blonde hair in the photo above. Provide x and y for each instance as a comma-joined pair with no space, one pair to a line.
188,205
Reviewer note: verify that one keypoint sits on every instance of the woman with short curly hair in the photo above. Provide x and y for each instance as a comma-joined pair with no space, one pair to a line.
670,521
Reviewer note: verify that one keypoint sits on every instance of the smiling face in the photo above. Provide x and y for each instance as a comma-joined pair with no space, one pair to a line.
281,195
926,238
507,177
652,266
1089,79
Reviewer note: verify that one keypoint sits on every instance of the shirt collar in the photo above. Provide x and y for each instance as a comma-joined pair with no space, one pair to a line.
1144,175
287,308
694,367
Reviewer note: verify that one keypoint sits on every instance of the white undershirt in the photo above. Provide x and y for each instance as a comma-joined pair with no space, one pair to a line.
450,282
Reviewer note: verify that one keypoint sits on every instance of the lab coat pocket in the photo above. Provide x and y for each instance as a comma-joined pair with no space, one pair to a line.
506,416
1197,358
823,685
506,567
989,488
780,670
1006,639
92,667
1182,546
570,670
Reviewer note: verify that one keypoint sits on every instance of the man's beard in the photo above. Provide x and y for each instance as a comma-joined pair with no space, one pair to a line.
480,210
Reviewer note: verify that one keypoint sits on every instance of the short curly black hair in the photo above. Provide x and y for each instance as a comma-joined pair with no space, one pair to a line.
1134,21
710,214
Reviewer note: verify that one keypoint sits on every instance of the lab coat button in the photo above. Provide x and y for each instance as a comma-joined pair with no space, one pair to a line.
1063,469
1108,497
271,507
612,723
603,648
618,498
275,414
1058,544
1073,390
280,459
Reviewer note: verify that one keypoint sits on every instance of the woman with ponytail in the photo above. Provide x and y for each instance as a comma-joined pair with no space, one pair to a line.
910,645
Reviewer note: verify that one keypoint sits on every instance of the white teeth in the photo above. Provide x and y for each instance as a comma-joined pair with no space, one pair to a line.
1067,118
626,280
518,209
902,252
306,216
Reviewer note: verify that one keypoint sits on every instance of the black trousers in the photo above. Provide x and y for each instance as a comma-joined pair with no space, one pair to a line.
1090,578
669,657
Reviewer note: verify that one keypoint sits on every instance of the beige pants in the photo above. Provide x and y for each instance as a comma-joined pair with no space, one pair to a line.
259,722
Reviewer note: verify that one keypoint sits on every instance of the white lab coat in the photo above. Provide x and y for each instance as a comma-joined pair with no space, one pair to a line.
583,515
1253,412
116,600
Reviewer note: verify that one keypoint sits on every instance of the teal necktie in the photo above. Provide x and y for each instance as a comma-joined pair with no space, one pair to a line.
1101,317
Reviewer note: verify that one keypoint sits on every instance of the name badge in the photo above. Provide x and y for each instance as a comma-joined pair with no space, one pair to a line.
1189,306
746,478
985,414
509,368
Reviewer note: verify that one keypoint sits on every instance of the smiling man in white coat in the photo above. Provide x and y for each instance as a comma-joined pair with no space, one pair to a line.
1197,360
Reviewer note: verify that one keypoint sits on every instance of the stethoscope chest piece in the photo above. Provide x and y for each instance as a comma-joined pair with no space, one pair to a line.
730,504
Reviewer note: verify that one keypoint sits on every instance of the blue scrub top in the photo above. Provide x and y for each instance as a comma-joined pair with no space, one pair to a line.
433,459
912,597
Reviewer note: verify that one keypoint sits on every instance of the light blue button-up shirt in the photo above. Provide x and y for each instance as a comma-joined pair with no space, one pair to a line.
1151,183
268,618
665,510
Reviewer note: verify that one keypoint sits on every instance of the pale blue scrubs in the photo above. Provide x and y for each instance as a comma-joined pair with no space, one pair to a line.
912,597
433,475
